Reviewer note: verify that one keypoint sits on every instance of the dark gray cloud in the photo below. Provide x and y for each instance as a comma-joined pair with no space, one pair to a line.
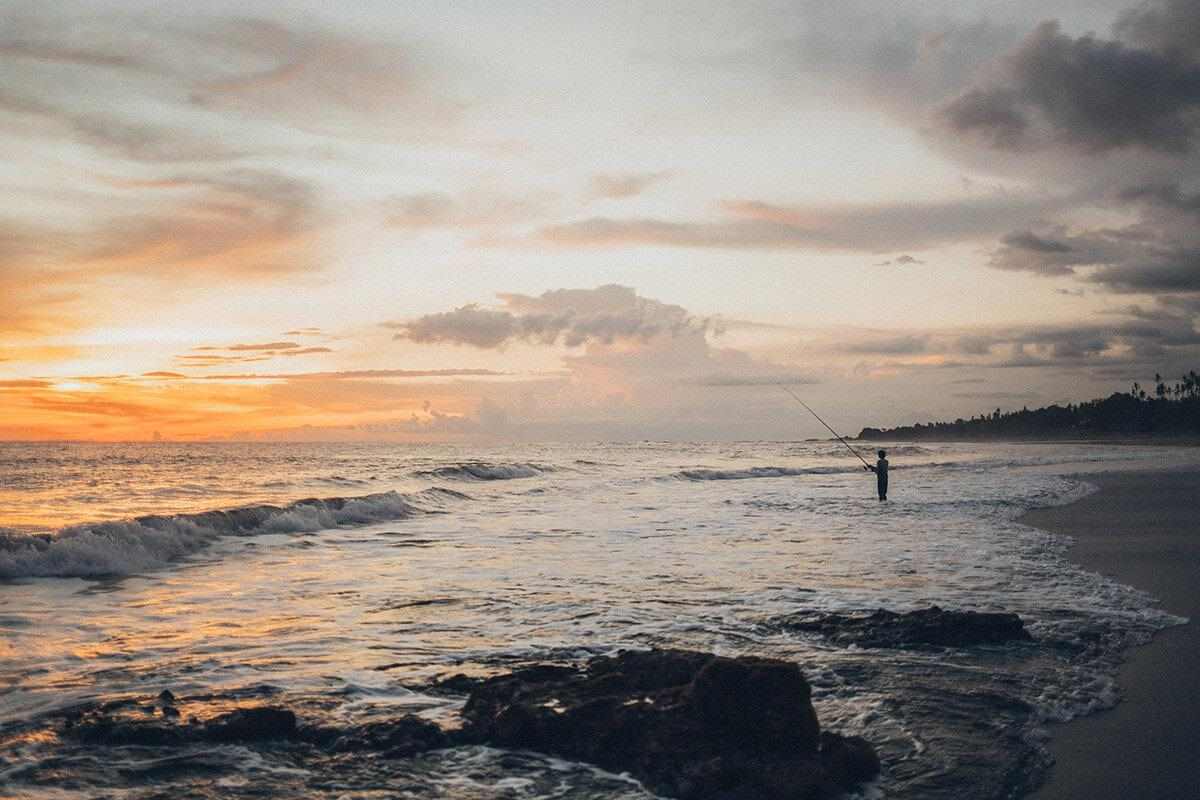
1174,272
1159,254
1085,93
1166,26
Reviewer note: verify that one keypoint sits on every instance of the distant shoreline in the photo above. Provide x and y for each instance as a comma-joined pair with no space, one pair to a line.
1140,529
1156,441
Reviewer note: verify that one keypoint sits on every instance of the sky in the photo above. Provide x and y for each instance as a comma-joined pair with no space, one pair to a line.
528,221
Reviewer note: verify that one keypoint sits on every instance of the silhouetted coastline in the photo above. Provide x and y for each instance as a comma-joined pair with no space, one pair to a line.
1169,411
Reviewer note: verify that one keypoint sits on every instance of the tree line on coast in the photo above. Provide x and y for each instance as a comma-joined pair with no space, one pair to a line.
1166,409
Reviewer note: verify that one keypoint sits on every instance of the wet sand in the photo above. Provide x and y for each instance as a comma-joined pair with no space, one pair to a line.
1143,528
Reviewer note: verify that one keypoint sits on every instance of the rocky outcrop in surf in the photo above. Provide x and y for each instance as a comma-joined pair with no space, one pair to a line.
688,725
924,627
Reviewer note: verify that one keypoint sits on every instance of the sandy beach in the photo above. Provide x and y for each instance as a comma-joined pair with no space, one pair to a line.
1141,528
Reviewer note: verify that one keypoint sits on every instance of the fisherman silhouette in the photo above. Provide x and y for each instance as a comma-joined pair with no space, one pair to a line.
881,474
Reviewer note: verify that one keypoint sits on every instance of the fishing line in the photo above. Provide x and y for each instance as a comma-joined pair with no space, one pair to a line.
796,397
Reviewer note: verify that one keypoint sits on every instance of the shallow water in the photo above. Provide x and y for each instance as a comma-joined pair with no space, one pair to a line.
447,560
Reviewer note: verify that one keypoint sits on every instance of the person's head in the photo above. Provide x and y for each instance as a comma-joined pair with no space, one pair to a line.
883,453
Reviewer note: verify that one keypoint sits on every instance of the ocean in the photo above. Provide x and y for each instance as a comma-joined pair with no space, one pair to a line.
352,575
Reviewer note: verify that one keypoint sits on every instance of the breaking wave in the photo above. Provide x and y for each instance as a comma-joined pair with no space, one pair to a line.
756,472
484,471
144,543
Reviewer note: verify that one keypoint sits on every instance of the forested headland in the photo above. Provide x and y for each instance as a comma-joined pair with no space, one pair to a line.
1166,410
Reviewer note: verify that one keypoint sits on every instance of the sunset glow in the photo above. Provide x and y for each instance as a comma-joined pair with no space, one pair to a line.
423,222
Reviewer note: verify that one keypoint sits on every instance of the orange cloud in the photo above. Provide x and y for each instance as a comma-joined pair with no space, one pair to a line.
245,225
124,409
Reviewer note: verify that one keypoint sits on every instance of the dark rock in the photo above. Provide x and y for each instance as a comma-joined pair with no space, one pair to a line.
924,627
252,724
848,759
170,711
166,697
757,700
454,684
104,730
688,725
398,738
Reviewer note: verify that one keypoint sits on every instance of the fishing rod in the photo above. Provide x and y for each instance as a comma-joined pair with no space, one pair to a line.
796,397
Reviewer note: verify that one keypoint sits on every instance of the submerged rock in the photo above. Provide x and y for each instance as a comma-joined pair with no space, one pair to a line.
397,738
688,725
102,726
927,626
252,725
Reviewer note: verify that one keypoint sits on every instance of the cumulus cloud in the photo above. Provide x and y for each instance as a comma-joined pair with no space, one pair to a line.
637,365
570,316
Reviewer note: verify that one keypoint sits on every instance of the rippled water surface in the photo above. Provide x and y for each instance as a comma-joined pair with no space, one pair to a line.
354,574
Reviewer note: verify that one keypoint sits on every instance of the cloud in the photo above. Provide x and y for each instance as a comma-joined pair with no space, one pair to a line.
569,316
759,225
235,222
245,353
185,231
630,185
1158,254
359,375
288,71
472,209
781,378
638,365
998,395
242,347
1085,93
900,261
897,345
117,137
24,384
1170,26
903,61
152,70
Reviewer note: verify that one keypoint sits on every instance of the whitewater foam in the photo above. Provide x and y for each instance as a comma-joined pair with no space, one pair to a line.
484,471
145,543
